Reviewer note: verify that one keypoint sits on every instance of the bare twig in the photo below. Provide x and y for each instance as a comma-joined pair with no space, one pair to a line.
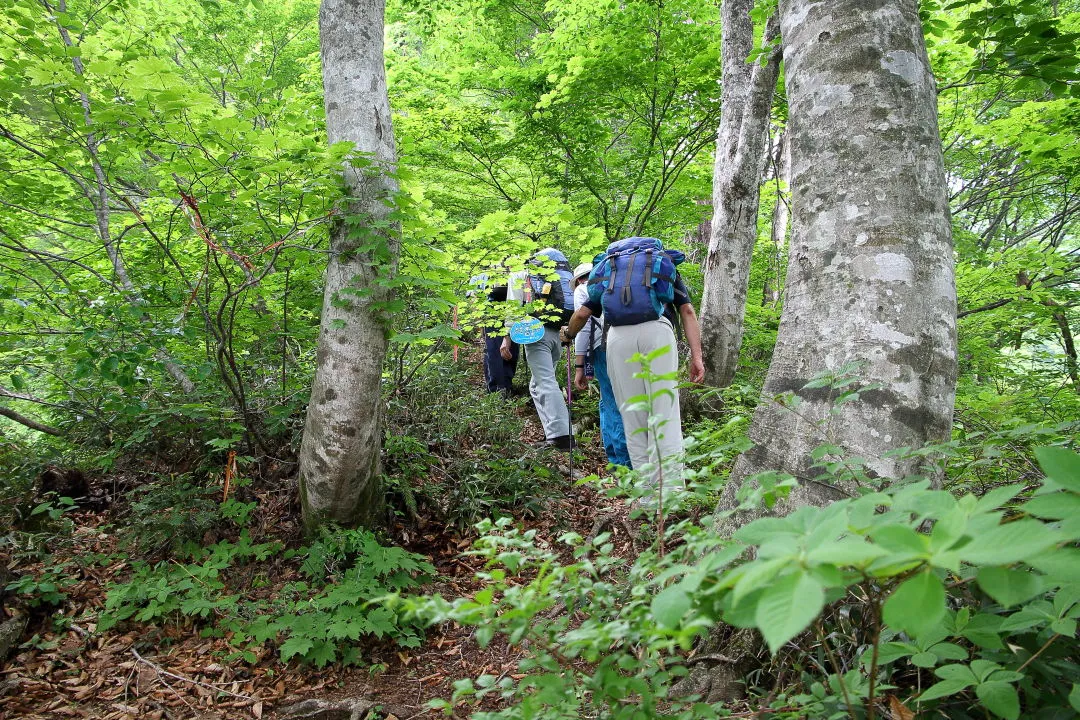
160,670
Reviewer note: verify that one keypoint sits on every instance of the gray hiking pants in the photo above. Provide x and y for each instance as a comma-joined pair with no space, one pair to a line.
543,356
666,434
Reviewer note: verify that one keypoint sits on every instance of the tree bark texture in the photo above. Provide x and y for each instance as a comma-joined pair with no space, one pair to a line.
870,268
339,456
740,159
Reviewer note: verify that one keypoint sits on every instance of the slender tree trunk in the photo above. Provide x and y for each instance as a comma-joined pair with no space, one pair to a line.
1061,319
781,217
98,196
870,271
739,163
339,456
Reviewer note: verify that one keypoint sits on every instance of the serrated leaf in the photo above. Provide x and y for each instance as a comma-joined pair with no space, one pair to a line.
924,660
944,689
295,645
670,605
1009,587
999,698
1054,506
1009,543
853,551
1060,465
917,606
787,606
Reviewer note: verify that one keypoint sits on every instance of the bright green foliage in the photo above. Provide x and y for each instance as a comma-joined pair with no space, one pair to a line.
319,622
905,557
165,182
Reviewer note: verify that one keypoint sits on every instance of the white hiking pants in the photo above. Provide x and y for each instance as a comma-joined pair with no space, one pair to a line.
622,343
543,356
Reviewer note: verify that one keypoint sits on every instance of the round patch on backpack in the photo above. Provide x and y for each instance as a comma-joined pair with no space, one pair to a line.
527,331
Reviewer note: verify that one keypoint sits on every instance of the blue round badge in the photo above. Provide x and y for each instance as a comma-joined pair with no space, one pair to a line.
527,331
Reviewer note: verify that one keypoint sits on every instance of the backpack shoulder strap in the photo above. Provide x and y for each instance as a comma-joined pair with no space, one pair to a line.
626,292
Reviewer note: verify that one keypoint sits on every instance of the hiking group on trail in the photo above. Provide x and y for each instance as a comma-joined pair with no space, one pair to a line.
629,300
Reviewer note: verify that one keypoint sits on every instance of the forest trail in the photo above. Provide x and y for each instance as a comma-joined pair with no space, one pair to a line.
168,671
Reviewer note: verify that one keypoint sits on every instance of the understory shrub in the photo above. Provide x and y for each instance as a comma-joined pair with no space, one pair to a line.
321,619
970,607
455,450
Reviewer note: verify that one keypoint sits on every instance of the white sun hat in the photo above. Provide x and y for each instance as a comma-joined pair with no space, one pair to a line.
583,269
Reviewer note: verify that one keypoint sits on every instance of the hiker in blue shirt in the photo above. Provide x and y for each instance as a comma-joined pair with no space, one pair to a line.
498,371
591,355
546,277
636,287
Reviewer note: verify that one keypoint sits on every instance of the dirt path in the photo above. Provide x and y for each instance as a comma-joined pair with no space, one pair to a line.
151,671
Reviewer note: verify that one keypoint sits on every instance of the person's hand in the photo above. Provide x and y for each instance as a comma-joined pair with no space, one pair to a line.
697,370
504,350
579,380
564,335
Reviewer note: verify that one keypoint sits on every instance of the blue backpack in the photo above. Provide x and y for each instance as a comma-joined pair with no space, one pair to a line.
557,293
635,280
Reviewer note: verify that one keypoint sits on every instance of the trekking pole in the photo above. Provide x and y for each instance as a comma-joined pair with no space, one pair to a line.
569,404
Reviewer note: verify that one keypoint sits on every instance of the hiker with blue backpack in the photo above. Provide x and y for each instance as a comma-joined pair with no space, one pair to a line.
546,278
591,362
636,287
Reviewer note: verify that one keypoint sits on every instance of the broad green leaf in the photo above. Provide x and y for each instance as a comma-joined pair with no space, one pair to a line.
1053,506
998,497
670,605
924,660
917,605
1008,543
787,606
944,689
999,698
847,551
1009,587
1074,697
1060,465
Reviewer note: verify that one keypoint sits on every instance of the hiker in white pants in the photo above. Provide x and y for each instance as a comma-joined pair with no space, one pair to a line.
543,355
623,342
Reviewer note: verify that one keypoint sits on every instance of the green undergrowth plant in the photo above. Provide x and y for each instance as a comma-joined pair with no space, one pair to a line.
453,450
322,619
969,605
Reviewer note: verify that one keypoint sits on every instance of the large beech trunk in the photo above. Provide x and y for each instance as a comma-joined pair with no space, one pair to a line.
740,159
870,268
339,457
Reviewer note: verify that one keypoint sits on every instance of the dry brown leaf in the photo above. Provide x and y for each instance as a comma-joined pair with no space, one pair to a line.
257,709
899,711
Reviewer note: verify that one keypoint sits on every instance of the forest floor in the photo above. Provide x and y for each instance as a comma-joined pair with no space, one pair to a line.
170,671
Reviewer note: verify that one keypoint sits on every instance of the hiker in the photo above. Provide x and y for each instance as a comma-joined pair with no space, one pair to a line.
591,361
498,371
538,281
637,288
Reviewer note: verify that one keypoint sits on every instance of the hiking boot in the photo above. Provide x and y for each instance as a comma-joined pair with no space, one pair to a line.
563,442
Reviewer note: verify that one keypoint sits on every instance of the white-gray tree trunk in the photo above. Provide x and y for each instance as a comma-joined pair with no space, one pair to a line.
339,456
870,268
740,159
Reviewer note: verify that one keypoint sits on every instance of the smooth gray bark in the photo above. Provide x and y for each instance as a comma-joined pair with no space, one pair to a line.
738,166
339,456
870,269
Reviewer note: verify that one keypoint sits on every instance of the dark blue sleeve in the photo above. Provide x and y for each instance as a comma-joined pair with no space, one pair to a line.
682,295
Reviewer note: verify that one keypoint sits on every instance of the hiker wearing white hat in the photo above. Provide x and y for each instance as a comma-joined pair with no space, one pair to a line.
591,355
